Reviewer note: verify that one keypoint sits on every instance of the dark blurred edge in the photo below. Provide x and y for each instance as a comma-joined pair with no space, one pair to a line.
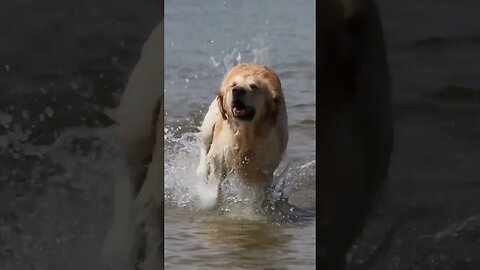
74,56
62,63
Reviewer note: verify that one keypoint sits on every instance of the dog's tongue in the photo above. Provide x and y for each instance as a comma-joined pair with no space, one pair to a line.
238,111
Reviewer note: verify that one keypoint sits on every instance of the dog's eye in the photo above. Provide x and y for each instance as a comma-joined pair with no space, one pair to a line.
253,86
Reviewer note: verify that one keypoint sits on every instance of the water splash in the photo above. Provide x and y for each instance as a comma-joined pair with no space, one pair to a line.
184,189
256,51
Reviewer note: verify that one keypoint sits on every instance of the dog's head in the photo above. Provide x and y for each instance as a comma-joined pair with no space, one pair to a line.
250,93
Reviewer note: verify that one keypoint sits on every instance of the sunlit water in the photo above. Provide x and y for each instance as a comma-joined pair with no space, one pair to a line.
203,40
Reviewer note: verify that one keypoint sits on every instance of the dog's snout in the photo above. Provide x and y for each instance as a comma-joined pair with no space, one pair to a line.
238,92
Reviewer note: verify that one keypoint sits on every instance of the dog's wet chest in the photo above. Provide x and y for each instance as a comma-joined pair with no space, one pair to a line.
230,155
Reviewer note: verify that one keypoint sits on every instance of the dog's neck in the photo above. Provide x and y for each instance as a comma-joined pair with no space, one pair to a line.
247,136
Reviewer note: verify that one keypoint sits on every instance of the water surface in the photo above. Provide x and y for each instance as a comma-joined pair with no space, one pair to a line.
202,41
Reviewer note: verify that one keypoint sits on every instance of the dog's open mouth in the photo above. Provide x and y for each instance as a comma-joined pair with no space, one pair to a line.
239,110
242,112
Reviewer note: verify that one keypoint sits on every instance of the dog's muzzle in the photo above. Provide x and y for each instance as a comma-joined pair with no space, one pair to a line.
239,109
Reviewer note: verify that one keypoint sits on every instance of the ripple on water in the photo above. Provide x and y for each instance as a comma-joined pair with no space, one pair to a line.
235,233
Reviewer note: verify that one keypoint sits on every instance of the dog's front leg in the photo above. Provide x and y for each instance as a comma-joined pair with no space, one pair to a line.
206,136
203,169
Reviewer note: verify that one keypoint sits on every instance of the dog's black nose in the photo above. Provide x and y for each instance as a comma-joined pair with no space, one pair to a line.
238,92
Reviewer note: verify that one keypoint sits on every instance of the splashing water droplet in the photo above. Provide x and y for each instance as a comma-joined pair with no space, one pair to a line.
49,111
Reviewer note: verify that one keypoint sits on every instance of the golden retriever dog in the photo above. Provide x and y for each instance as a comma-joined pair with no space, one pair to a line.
245,130
135,240
354,123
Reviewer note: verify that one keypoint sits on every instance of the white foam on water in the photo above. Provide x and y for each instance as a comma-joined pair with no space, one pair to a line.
184,189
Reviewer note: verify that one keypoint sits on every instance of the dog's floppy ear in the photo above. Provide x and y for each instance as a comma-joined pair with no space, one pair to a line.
274,109
220,105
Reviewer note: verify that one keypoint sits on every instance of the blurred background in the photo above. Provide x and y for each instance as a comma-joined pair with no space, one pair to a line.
430,215
64,64
63,67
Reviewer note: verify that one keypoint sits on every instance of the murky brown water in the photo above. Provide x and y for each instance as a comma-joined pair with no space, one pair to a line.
216,242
